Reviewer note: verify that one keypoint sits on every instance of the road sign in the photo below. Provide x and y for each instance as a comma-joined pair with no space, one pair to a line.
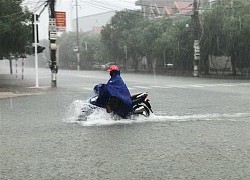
52,24
60,21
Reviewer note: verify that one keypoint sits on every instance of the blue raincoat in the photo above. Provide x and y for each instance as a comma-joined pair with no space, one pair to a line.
118,89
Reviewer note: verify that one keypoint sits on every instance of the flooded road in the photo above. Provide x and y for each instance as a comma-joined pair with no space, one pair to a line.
200,129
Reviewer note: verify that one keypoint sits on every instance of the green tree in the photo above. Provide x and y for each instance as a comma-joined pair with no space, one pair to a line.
151,32
67,56
146,37
212,40
226,32
116,35
90,50
15,28
236,29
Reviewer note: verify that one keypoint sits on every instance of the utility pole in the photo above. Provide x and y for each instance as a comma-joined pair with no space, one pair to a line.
53,48
196,39
164,58
77,34
11,70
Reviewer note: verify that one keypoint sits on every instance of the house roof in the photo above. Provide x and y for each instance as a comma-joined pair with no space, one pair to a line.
169,10
184,7
169,7
150,2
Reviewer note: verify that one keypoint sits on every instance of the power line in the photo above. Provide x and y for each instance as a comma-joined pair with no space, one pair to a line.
9,15
15,21
126,1
103,2
100,5
34,6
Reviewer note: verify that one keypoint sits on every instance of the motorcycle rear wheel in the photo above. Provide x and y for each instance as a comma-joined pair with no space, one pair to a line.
142,110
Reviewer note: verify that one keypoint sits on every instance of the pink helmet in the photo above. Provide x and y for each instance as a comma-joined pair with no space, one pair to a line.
113,68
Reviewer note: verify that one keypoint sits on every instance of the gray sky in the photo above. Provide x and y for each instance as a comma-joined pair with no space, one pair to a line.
85,7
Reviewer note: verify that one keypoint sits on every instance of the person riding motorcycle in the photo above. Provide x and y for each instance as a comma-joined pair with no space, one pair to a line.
115,96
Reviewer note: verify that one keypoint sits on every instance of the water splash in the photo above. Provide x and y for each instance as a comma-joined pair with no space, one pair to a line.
99,117
74,111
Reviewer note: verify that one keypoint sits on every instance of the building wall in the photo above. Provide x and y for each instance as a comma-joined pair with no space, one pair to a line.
93,22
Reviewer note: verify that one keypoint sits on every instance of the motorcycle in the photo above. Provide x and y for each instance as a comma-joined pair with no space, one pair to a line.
141,105
140,102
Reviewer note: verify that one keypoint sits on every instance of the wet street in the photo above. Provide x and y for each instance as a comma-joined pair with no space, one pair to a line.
200,129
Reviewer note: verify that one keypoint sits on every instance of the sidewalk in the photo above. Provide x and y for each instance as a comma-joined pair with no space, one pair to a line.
12,86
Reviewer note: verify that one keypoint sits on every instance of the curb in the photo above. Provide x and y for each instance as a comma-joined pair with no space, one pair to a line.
5,95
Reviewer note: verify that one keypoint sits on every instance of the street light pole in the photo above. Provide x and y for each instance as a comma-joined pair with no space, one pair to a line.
35,44
77,34
126,56
164,58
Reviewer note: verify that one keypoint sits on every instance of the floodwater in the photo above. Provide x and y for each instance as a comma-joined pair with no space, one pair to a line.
196,132
198,146
195,146
99,117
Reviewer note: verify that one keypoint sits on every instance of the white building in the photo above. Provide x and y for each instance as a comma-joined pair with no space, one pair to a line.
93,22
